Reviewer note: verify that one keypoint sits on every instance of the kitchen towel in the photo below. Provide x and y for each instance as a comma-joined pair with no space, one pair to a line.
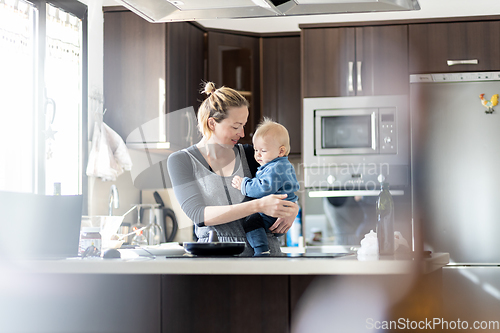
109,156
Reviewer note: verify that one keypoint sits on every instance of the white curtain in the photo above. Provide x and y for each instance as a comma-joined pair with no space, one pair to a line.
63,85
17,130
23,163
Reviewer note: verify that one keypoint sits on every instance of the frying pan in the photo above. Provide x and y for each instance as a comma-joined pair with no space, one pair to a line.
214,247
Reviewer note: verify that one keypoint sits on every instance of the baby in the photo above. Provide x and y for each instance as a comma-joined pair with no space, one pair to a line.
275,175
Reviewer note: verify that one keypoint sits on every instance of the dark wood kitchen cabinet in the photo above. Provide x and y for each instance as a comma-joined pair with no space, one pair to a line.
185,66
225,303
233,61
433,45
231,303
355,61
280,63
81,302
149,68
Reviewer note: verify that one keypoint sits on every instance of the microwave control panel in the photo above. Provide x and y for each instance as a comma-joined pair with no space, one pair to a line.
388,142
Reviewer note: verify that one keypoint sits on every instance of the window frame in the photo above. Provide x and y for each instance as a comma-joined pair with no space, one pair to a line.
79,10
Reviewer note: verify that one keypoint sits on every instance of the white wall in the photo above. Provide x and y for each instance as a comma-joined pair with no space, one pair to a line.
99,190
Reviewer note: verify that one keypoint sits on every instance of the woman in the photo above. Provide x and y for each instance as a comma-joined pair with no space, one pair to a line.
201,174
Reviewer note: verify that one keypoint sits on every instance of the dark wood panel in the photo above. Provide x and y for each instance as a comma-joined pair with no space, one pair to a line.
270,84
81,303
431,45
185,69
196,71
134,61
177,63
298,286
398,22
383,52
326,56
333,57
220,303
217,44
281,85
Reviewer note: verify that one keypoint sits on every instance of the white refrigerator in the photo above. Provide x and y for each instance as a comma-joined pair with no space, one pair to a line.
456,182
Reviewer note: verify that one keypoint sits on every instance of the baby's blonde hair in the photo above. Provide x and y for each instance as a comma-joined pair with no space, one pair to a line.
271,129
217,105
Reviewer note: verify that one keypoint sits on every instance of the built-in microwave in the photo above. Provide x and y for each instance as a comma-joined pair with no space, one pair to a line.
354,142
355,131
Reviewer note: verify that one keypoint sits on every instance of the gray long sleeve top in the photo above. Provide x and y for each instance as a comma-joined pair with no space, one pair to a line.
196,186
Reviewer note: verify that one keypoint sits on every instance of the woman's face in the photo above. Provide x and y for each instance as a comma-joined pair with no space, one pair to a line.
230,130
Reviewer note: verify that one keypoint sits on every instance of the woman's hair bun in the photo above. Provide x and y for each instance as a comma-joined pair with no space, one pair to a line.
209,88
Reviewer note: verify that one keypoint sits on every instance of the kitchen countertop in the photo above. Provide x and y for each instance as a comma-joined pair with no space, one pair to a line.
344,265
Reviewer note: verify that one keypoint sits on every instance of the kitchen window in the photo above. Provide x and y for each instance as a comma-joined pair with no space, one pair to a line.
43,96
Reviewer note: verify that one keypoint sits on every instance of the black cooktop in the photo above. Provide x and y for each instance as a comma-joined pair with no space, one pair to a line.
282,255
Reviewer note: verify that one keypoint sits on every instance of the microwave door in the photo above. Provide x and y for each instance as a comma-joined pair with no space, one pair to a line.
346,132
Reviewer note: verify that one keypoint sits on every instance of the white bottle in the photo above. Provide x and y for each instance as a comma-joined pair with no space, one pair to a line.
294,235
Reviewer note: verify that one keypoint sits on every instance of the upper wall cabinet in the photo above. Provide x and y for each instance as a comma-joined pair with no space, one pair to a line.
149,69
281,85
454,47
355,61
233,61
185,66
134,70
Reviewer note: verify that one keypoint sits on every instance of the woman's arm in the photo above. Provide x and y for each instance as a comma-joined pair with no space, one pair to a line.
271,205
192,203
185,186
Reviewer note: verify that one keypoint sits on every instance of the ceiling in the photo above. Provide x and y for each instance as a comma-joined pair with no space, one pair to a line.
430,9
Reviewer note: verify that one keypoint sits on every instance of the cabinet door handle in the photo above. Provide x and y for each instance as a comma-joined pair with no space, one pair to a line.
462,62
350,83
360,86
190,129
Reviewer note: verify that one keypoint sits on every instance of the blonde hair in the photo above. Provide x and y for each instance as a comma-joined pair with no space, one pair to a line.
271,129
216,106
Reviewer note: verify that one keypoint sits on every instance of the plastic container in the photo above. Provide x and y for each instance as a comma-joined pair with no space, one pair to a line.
385,220
90,236
294,235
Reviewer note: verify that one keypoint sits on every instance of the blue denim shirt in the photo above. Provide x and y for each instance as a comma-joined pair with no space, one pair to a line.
275,177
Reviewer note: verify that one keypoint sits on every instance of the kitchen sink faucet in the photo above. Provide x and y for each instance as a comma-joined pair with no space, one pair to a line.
114,200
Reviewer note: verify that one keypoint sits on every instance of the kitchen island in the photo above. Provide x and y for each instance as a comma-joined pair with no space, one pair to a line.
183,265
186,294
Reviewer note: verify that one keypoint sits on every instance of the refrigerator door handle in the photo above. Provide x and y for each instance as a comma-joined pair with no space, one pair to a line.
462,62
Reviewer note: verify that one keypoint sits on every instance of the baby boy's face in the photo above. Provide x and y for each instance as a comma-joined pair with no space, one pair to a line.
266,150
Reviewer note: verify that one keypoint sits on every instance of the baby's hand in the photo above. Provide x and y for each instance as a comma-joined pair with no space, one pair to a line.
237,182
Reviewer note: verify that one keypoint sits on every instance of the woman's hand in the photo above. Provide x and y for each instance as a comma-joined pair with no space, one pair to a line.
274,205
282,225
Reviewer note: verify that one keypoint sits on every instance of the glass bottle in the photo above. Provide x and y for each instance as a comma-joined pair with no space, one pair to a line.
139,238
90,242
385,220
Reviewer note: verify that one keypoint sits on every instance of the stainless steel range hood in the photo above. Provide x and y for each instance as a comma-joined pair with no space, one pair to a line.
190,10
